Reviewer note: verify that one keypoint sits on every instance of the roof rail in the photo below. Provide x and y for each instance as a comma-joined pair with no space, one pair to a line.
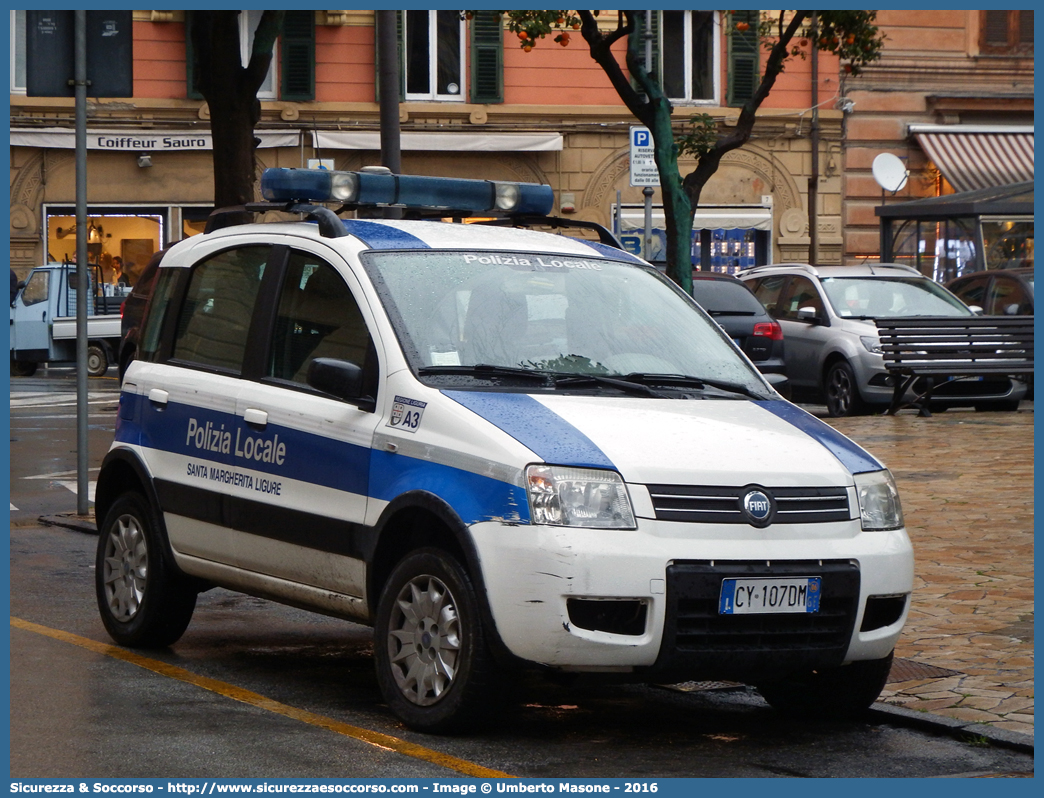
765,266
330,226
555,222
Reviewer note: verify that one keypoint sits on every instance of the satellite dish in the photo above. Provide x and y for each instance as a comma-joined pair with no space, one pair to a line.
889,172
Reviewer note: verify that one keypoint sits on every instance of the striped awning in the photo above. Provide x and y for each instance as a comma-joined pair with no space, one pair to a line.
974,157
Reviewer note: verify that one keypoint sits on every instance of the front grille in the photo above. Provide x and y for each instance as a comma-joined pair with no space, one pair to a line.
701,643
696,504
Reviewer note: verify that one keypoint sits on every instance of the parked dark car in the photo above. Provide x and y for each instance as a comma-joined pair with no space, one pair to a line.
1000,292
737,311
133,309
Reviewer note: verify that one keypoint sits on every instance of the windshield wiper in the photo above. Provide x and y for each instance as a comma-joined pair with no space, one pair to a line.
485,370
577,380
685,381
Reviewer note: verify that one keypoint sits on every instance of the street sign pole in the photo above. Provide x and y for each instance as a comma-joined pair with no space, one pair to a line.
644,173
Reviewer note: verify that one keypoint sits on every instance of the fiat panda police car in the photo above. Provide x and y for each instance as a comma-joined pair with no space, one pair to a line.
498,447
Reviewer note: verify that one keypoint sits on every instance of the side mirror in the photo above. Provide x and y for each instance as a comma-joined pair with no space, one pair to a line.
976,309
1011,310
780,383
339,378
808,314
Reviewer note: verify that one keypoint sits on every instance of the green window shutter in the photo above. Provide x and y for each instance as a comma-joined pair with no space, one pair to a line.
656,18
190,61
487,58
298,56
744,71
400,35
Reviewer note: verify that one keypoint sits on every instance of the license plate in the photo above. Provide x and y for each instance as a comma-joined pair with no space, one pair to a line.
769,595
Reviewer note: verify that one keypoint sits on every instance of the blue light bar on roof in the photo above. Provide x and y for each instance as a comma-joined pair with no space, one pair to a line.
409,191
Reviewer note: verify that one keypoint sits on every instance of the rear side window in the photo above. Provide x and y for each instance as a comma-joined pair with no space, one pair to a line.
219,303
149,343
725,298
767,291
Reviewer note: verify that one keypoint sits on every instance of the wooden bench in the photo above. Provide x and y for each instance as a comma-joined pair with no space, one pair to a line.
944,349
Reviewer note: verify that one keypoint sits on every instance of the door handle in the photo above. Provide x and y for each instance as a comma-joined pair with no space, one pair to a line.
158,396
255,417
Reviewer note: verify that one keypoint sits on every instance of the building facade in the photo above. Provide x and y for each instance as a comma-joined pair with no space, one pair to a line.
473,104
952,99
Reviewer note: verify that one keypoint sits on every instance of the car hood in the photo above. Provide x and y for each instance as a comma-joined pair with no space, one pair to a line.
674,441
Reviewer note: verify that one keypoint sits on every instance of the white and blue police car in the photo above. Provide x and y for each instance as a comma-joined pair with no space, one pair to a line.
497,446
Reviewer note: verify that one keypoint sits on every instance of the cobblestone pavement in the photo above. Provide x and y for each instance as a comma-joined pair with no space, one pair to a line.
966,483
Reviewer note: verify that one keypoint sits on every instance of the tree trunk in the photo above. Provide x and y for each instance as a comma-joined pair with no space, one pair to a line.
230,90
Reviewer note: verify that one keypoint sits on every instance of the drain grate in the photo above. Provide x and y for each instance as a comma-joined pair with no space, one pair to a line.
903,670
692,687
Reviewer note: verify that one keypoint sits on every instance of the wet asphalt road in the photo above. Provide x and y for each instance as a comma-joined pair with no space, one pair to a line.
79,711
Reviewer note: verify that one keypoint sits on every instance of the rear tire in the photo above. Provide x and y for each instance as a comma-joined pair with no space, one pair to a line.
842,392
433,665
143,601
23,368
97,360
832,693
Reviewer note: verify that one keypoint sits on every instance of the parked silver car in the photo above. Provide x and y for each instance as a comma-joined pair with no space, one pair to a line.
833,352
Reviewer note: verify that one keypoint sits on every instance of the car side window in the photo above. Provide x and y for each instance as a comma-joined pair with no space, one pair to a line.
768,290
801,293
37,288
972,291
317,317
219,303
1008,298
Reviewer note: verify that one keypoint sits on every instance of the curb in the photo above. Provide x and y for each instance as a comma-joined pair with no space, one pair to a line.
80,523
961,729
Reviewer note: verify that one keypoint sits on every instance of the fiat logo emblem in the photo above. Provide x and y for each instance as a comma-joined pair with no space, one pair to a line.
757,506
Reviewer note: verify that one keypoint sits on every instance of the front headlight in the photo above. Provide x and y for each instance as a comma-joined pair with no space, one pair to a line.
871,343
585,497
879,506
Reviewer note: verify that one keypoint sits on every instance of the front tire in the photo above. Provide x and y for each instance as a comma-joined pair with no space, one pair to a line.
843,692
842,392
143,601
433,665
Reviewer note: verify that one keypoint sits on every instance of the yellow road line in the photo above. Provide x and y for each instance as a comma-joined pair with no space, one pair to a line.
374,738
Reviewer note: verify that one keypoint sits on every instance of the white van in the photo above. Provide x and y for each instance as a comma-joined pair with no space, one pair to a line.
499,447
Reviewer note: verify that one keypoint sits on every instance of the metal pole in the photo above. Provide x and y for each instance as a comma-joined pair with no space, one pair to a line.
813,178
82,280
647,192
388,71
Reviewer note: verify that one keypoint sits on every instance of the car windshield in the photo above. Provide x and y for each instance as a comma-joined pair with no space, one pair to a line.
876,297
516,312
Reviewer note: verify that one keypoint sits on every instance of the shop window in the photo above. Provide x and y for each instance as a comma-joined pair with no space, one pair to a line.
433,55
1006,32
17,52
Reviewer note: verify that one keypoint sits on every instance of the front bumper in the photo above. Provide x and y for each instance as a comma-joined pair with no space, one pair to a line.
532,572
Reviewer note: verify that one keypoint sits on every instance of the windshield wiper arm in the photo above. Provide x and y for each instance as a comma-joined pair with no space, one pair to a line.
685,381
485,370
576,380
